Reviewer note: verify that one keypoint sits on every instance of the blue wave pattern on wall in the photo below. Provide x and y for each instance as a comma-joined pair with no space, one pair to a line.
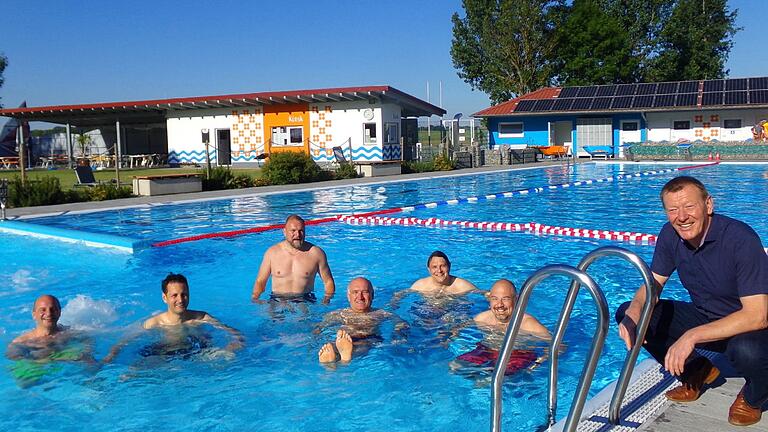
189,156
392,152
358,154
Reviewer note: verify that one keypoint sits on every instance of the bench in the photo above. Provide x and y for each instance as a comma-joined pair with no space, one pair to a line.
165,184
378,168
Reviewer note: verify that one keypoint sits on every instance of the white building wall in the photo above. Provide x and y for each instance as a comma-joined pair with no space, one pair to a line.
705,125
346,128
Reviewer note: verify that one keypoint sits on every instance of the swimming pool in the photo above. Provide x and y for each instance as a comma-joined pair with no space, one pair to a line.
275,382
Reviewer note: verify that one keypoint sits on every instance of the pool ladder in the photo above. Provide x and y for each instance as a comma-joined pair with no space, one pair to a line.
579,278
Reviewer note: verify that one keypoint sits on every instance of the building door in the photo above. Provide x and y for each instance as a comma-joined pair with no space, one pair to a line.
223,147
560,134
594,132
629,133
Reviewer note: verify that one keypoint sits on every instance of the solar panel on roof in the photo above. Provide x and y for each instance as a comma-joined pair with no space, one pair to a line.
712,98
581,104
667,88
646,89
562,104
622,102
758,96
736,84
664,101
686,99
736,97
688,87
626,89
525,105
602,103
606,90
758,83
714,85
587,91
569,92
643,101
543,105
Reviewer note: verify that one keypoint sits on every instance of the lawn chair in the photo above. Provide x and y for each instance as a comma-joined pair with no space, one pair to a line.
338,153
85,176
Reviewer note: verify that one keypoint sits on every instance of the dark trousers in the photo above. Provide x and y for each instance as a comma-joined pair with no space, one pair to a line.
747,352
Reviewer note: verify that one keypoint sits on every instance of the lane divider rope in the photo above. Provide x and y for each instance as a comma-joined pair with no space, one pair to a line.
509,194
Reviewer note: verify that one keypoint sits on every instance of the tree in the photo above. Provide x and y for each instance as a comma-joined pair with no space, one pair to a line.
3,64
504,47
594,47
695,42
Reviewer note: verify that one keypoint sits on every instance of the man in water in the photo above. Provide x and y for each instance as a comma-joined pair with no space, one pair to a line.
359,323
494,323
293,265
440,286
178,324
722,264
48,340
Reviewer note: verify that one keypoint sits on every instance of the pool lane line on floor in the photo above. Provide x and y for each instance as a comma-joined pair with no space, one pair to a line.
530,228
228,234
124,244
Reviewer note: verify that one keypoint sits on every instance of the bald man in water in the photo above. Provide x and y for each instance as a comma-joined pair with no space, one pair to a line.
48,339
293,265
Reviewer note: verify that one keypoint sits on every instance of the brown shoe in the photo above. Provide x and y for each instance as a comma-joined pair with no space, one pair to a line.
690,389
741,413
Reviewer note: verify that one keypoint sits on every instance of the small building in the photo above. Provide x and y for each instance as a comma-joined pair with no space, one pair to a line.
607,117
368,124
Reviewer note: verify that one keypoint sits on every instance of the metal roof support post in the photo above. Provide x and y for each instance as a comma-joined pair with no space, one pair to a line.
118,153
69,146
22,153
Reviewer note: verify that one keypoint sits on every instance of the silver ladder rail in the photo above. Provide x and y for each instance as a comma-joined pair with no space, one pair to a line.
651,293
579,278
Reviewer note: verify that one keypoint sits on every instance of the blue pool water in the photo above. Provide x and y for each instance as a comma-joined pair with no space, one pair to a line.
275,382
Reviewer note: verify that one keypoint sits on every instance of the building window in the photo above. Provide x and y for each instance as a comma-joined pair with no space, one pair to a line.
296,135
391,134
681,124
369,133
629,126
732,124
287,136
511,130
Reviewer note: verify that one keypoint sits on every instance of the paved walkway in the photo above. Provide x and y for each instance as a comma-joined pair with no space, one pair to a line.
25,212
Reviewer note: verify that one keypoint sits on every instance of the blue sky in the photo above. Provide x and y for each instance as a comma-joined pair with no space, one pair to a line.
68,52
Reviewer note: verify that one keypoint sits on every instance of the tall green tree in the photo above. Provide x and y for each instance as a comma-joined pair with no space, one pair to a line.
695,41
3,64
593,47
505,47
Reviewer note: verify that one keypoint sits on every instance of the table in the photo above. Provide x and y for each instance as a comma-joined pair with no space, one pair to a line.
9,162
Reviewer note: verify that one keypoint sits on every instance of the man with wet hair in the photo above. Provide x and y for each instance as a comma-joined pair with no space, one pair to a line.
440,280
293,264
721,263
359,323
177,322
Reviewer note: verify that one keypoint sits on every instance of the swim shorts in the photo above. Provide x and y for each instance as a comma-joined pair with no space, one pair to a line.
484,356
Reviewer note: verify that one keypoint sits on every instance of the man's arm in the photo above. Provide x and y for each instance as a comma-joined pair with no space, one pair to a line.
265,270
532,326
133,334
325,274
237,342
628,326
752,316
329,319
394,303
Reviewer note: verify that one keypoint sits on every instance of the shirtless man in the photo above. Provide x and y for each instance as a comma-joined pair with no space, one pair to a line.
440,285
176,321
359,323
293,264
494,321
48,340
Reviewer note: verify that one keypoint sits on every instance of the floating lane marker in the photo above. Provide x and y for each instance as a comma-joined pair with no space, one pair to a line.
530,227
87,238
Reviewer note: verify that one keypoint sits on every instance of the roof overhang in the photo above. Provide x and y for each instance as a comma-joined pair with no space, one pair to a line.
156,111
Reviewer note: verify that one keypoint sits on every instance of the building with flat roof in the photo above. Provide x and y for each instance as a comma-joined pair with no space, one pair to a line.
606,118
366,122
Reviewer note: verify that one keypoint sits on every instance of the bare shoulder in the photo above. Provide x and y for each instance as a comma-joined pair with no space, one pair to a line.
152,322
23,338
421,284
484,318
462,285
195,315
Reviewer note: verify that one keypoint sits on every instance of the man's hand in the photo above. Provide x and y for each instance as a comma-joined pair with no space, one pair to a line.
327,299
678,353
628,331
255,299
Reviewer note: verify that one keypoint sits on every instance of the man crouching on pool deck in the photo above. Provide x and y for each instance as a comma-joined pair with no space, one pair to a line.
293,264
359,323
176,295
494,321
49,340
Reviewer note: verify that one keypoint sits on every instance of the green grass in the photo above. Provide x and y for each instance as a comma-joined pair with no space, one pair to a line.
68,180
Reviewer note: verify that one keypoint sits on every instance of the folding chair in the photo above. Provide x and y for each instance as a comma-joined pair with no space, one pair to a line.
85,176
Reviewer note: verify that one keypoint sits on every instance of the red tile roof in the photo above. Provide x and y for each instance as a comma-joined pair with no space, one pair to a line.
509,106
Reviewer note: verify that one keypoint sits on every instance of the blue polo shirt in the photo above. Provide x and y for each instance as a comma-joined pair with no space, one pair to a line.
731,263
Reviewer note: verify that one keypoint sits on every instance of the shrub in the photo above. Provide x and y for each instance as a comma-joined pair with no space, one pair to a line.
410,167
291,168
45,191
346,171
219,178
442,163
105,192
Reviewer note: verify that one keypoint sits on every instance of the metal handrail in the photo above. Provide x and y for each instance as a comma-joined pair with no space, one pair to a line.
651,293
579,278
